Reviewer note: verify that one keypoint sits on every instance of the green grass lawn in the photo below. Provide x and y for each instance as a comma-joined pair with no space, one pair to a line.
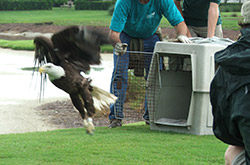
59,16
17,44
230,20
28,45
65,16
130,144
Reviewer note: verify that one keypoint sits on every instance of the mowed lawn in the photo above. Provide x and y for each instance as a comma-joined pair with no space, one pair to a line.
59,16
65,16
130,144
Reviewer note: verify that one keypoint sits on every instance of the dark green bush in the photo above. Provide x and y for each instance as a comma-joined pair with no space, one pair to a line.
230,7
58,3
92,4
26,4
111,9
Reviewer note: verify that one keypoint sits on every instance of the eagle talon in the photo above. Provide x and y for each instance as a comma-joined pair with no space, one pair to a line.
90,133
88,124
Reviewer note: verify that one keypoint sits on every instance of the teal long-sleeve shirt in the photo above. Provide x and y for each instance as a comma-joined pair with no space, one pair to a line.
142,20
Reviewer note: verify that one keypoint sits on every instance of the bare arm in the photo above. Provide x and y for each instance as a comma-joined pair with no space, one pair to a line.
120,48
213,13
181,28
178,5
114,37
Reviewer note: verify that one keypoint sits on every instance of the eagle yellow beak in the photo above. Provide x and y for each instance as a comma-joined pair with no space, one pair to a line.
41,70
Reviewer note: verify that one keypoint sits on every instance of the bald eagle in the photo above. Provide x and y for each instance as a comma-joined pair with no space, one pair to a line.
63,57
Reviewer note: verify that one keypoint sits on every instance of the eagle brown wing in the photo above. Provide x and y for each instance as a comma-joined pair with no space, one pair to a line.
79,46
44,52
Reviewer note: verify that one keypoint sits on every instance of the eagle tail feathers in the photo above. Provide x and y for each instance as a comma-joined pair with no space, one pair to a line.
101,98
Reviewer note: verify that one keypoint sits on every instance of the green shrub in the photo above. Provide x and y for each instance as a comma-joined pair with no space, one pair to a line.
26,4
230,7
111,9
58,3
92,5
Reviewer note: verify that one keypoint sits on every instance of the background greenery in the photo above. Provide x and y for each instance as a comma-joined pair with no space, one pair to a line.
93,4
48,4
17,44
26,4
230,7
28,45
59,16
83,5
69,16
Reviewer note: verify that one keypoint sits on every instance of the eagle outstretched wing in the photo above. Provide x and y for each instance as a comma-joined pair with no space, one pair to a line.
78,45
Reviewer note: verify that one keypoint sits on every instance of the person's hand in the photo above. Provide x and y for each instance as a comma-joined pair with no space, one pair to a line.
184,39
214,38
120,48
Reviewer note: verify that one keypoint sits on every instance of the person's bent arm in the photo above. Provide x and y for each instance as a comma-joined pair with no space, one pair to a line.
181,30
114,37
213,14
120,48
178,5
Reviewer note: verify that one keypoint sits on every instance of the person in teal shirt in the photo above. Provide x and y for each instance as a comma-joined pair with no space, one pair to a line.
137,21
202,17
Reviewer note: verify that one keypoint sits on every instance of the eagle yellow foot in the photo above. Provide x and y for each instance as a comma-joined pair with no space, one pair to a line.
88,124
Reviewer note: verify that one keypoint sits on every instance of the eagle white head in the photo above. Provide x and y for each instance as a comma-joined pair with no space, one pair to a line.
54,72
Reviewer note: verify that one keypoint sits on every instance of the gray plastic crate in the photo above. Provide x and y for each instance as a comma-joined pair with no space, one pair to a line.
178,87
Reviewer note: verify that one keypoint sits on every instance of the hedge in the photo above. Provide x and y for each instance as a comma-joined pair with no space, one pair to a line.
92,5
58,3
230,7
26,4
